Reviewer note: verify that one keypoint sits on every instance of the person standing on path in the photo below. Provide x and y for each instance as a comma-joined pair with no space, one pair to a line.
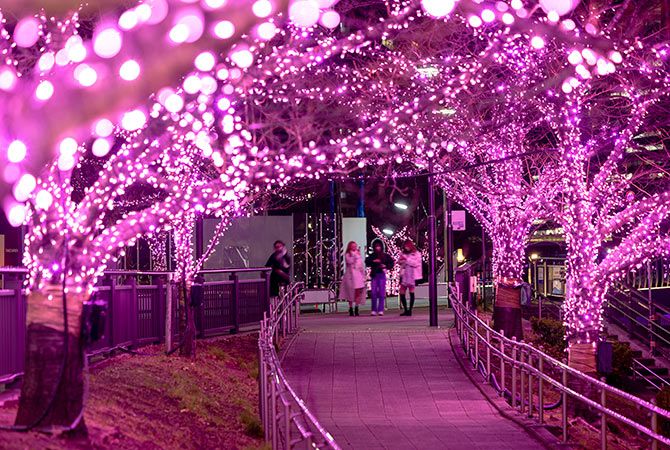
280,262
410,271
353,281
379,262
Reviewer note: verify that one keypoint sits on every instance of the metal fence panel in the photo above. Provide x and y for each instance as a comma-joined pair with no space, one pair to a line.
136,312
12,333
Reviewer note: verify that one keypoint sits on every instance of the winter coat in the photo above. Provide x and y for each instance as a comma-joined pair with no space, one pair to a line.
280,262
376,267
354,276
410,268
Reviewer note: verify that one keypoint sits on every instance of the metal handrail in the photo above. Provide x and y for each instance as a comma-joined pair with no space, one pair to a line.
641,299
635,319
520,361
137,272
233,270
287,421
646,377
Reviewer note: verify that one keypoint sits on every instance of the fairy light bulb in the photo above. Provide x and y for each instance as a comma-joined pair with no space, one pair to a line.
26,32
107,42
304,13
130,70
16,151
438,8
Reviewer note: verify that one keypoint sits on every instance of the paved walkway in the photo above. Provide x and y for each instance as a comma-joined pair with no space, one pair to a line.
393,383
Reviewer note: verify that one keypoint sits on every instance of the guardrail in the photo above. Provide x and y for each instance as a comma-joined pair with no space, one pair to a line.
138,307
528,372
286,420
639,315
655,274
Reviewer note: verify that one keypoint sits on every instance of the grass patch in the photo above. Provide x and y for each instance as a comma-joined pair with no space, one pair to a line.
253,368
192,398
252,424
219,353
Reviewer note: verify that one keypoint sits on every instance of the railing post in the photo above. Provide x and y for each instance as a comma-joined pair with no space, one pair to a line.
467,336
540,390
261,380
476,327
530,384
488,353
265,307
564,403
603,419
235,302
273,411
522,384
514,361
502,363
287,426
134,307
111,279
297,311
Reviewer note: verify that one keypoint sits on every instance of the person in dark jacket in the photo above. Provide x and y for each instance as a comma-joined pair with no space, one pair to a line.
280,262
379,262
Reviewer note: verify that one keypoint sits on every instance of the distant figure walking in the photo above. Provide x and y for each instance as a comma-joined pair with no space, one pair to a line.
379,262
410,271
280,262
353,281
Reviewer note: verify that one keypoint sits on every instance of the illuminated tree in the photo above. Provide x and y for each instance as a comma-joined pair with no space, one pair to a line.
613,206
71,240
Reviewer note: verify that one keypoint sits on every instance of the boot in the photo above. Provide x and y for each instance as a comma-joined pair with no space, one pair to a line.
356,311
403,302
351,311
411,303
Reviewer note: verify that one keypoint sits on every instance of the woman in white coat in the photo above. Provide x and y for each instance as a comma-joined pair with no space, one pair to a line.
353,282
410,271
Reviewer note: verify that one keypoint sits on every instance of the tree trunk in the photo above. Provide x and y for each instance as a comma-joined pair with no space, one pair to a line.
509,244
583,316
582,357
507,311
53,383
187,328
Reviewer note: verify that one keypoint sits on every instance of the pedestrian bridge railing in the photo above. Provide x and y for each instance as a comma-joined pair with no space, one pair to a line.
533,383
287,421
141,308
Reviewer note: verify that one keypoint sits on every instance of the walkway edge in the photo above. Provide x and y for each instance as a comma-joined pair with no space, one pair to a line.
536,431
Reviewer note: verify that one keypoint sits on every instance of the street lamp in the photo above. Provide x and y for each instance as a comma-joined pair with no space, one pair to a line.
533,281
459,255
388,231
533,278
401,205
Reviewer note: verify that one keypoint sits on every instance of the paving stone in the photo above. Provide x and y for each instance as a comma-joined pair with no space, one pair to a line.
393,383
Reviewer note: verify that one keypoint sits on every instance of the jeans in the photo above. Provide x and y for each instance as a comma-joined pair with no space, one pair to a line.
378,292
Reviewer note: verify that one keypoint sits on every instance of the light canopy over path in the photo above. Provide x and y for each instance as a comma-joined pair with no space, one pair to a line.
393,383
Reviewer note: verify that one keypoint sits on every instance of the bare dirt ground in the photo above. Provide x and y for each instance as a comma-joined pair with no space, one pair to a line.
165,402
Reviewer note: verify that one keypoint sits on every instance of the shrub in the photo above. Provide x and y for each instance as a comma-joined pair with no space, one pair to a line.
551,334
622,364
